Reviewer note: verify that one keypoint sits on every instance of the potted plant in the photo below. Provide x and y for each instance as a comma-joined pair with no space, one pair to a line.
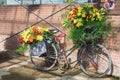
33,37
87,24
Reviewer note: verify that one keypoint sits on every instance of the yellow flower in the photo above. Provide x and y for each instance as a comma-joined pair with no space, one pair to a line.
29,32
39,37
44,29
93,14
92,18
79,14
79,23
26,37
99,17
83,14
71,12
75,21
80,9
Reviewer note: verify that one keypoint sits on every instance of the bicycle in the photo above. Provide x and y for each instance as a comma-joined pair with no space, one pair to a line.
90,59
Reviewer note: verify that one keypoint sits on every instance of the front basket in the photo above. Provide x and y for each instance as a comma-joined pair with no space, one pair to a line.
38,49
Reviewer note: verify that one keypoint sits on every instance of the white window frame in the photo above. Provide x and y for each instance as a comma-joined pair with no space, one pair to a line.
19,2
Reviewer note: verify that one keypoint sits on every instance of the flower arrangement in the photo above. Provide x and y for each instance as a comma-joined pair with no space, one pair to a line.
87,24
31,36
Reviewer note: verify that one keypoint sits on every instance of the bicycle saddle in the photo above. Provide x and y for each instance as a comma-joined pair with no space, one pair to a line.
53,31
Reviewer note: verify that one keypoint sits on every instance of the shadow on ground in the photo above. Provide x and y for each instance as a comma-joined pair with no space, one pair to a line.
16,76
4,56
28,72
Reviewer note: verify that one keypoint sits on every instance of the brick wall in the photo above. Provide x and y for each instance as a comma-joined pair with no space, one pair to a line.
114,42
16,18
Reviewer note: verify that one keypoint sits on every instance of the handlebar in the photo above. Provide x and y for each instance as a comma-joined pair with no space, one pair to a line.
53,31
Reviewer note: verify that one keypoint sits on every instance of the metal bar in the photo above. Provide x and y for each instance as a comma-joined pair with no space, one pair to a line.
35,23
43,19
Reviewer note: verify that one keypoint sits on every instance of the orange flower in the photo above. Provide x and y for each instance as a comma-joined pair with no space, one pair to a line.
30,39
21,39
72,17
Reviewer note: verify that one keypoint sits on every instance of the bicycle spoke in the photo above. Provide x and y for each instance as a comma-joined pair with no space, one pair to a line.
95,62
46,61
51,57
92,61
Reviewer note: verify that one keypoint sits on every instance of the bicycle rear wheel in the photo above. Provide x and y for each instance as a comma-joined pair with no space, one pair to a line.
46,61
95,62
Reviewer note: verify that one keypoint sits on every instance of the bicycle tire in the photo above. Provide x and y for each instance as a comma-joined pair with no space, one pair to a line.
46,61
99,60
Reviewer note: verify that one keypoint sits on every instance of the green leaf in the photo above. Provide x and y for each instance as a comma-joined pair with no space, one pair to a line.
22,49
66,23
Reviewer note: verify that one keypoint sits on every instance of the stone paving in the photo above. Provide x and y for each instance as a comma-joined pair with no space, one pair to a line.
3,72
20,68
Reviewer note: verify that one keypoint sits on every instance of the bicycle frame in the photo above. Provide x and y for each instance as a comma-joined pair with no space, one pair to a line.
65,53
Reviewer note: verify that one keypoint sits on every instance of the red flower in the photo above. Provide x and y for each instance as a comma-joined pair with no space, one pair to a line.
21,39
31,38
36,30
75,10
87,15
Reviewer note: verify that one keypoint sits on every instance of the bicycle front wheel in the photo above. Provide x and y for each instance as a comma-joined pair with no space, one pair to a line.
46,61
95,61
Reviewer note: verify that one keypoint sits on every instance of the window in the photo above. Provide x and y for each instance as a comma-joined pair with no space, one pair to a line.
82,1
52,1
34,2
2,2
92,1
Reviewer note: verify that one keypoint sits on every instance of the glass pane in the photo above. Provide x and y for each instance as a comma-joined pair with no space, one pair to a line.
27,2
52,1
37,1
92,1
81,1
13,2
24,2
31,2
2,2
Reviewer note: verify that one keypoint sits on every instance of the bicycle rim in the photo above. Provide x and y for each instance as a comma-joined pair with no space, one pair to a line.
46,61
95,62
